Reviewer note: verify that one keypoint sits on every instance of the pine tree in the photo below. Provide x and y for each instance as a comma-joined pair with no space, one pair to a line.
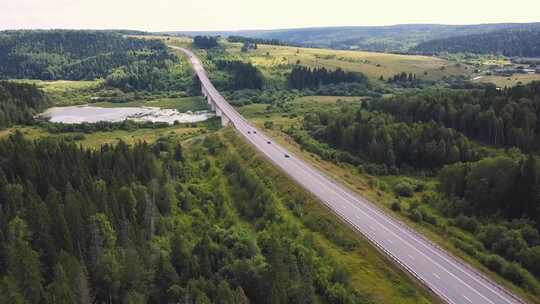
23,262
59,228
9,291
178,154
59,290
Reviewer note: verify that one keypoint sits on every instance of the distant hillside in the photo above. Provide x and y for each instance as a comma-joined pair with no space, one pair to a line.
70,54
522,43
395,38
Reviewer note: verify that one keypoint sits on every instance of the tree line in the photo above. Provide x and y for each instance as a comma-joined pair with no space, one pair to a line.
522,43
507,117
255,41
243,75
205,42
377,137
304,77
404,80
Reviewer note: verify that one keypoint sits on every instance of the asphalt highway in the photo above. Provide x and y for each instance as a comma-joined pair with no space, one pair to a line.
448,277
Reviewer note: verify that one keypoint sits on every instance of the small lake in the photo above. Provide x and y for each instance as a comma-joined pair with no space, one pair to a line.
92,114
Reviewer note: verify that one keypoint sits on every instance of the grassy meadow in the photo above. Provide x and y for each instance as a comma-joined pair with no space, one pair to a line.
503,81
96,139
273,60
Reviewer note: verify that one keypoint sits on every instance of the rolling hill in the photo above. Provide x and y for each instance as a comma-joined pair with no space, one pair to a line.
394,38
522,43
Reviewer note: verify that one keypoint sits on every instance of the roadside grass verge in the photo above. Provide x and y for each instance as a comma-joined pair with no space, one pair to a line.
380,191
371,273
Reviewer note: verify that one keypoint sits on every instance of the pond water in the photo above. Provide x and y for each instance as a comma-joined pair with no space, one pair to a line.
91,114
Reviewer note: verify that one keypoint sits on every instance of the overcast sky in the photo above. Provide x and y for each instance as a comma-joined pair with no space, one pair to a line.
160,15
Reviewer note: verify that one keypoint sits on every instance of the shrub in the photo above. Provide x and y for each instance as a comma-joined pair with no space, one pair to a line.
428,217
466,247
396,206
416,215
404,189
420,187
494,262
514,273
268,124
467,223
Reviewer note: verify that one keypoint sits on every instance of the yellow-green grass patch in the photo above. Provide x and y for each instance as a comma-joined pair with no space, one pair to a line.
504,81
273,58
96,139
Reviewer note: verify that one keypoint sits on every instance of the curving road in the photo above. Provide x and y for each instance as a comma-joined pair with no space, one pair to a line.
448,277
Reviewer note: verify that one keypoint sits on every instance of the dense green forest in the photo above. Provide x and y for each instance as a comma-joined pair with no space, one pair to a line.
380,139
491,193
243,75
508,117
150,224
303,77
125,63
249,40
19,102
404,80
205,42
521,43
497,199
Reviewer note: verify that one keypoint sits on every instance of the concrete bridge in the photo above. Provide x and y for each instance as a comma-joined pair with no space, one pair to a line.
219,113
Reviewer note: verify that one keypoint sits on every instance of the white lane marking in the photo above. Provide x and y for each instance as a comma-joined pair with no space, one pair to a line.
372,228
437,276
467,298
393,224
411,257
377,215
390,241
385,228
401,239
390,221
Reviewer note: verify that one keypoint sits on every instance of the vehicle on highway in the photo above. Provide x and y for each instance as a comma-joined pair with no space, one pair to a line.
249,132
255,132
268,142
449,277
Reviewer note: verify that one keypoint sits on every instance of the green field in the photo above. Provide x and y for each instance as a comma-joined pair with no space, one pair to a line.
66,92
272,60
96,139
275,61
